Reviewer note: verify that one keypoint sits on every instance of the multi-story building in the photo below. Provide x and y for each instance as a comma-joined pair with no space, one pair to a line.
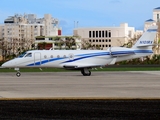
156,18
153,22
19,31
105,37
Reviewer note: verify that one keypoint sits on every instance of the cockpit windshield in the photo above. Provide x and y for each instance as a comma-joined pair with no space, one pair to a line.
22,55
25,55
29,55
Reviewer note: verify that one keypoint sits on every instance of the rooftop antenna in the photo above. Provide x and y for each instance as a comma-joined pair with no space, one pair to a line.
77,24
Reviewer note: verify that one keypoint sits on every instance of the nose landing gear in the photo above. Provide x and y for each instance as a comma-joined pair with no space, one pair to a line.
18,74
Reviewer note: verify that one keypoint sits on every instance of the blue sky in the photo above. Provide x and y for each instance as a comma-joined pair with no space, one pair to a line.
88,13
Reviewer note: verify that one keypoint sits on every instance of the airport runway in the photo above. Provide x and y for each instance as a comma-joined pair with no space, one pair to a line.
135,84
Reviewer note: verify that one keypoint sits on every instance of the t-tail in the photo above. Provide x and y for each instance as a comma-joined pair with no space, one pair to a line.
146,41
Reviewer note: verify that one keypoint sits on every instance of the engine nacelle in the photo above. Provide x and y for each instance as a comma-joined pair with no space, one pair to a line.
121,51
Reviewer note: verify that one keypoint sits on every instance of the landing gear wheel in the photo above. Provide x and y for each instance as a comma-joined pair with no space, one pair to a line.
18,74
85,72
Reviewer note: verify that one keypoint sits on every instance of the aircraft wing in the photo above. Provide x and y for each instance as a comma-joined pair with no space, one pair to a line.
88,65
71,66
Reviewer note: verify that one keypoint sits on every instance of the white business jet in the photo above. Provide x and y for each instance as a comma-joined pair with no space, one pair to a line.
83,60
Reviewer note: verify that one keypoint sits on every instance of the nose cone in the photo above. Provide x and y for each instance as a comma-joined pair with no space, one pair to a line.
7,64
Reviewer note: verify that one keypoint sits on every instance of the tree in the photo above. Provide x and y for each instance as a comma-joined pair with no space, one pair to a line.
131,41
70,42
59,42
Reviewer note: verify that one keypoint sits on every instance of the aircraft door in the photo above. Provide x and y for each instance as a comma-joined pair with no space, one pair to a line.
37,59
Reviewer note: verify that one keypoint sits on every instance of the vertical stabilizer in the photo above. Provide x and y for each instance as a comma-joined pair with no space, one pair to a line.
147,39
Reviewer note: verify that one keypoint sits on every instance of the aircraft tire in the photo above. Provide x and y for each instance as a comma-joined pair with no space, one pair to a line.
85,74
18,74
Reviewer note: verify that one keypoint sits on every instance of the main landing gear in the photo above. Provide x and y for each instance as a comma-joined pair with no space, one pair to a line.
85,72
18,74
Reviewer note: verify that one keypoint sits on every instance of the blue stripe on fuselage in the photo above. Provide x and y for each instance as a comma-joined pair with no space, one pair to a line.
89,55
44,61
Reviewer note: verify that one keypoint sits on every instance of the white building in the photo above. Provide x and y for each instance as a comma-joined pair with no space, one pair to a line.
153,22
105,37
19,31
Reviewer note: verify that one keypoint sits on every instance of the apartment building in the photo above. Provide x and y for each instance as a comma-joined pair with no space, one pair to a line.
105,37
19,31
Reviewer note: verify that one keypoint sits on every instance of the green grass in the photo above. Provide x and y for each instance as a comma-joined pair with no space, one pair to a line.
98,69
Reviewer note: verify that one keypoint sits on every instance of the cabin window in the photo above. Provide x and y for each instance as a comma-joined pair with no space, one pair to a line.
51,56
64,56
71,56
45,56
29,55
58,56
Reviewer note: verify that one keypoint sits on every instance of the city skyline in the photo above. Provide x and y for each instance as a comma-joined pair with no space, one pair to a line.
81,13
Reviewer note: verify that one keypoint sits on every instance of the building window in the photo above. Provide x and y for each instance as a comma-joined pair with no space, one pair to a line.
102,40
93,33
109,45
96,33
102,33
158,18
99,40
96,40
106,33
93,40
102,45
90,35
109,40
106,40
99,33
109,33
50,38
90,40
106,45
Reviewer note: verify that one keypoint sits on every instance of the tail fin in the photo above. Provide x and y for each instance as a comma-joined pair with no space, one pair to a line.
147,39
